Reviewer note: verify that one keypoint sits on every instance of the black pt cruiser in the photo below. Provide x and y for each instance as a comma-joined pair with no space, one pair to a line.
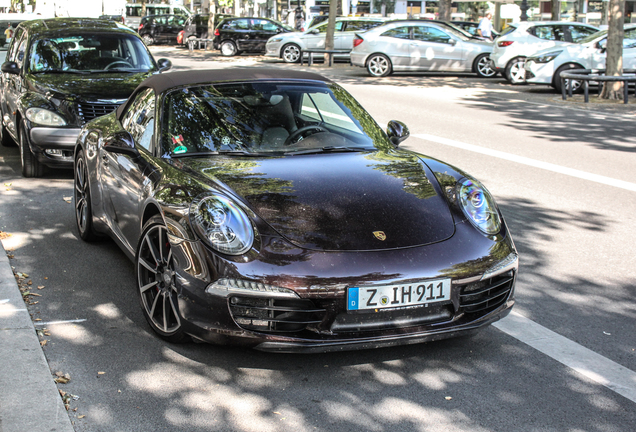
61,73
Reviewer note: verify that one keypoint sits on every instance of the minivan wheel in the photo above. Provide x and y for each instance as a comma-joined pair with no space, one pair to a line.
228,48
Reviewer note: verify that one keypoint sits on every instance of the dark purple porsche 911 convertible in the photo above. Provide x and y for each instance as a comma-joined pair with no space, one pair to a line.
267,208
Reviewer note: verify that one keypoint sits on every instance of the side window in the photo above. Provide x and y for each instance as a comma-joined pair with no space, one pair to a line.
544,32
239,24
321,107
430,34
178,10
629,39
579,32
139,120
14,44
399,32
323,28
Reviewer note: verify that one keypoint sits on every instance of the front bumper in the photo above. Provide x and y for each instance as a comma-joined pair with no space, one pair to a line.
273,49
539,73
313,316
53,146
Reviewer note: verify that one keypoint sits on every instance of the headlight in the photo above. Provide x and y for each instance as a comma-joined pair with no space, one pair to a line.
545,58
276,40
44,117
478,206
222,224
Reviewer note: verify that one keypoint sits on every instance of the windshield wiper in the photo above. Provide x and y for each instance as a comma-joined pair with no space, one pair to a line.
61,71
220,152
327,149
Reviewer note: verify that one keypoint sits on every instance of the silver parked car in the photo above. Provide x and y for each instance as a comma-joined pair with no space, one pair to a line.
288,46
410,46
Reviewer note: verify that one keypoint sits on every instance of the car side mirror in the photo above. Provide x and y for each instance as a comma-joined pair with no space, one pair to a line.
164,64
601,45
397,132
452,42
10,68
121,143
314,32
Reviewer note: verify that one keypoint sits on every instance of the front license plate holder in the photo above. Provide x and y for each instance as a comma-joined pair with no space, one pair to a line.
398,295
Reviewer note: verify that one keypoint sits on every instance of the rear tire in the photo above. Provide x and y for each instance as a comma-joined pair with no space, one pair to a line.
82,200
515,72
483,67
576,84
228,48
379,65
31,166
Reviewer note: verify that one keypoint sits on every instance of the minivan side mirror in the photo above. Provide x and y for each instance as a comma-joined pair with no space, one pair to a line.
121,143
164,64
10,68
397,132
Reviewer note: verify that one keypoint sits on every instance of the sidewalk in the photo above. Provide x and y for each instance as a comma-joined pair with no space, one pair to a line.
29,399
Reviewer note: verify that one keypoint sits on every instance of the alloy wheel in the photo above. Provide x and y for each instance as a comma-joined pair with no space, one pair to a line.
483,67
379,66
291,54
81,195
155,278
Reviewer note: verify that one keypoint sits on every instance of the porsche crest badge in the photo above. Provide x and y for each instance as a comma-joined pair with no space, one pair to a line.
379,235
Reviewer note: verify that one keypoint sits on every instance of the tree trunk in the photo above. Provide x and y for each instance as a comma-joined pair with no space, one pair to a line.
331,26
556,10
143,8
614,62
444,10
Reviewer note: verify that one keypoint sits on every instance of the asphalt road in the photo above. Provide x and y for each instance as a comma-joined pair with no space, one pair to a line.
563,176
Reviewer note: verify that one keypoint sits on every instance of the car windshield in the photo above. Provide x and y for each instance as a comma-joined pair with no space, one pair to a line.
266,117
90,53
593,37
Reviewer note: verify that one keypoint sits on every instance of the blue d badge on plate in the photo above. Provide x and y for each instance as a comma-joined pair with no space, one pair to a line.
353,299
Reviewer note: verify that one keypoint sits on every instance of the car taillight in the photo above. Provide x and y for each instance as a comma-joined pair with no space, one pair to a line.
140,27
504,43
357,41
217,32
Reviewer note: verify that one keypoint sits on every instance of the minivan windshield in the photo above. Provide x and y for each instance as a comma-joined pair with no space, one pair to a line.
90,53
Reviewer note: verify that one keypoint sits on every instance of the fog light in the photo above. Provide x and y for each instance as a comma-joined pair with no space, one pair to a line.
54,152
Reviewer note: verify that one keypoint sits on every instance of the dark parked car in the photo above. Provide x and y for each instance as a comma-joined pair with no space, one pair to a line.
197,26
157,29
61,73
267,208
235,35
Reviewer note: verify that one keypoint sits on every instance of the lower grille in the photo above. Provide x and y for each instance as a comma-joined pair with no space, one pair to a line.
484,296
275,315
90,111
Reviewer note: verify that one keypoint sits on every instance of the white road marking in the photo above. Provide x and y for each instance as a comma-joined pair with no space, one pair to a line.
531,162
59,322
584,361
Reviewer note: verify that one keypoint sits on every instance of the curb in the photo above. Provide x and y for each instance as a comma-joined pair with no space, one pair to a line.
29,399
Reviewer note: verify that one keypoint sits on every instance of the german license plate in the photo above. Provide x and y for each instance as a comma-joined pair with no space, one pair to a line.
398,295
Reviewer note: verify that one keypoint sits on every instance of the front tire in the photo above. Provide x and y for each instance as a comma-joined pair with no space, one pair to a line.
82,200
515,71
31,166
483,67
291,53
379,65
228,48
576,84
156,282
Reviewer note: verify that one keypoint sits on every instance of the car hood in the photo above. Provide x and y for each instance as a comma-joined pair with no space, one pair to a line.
339,201
87,87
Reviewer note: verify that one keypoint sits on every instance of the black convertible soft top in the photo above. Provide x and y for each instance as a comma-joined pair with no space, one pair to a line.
164,81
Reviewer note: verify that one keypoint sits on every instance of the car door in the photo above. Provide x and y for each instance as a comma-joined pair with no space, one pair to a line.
12,84
435,49
396,43
126,176
262,30
343,40
238,30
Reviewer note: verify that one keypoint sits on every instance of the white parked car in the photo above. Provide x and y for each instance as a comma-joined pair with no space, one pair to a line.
523,39
288,46
545,66
419,45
